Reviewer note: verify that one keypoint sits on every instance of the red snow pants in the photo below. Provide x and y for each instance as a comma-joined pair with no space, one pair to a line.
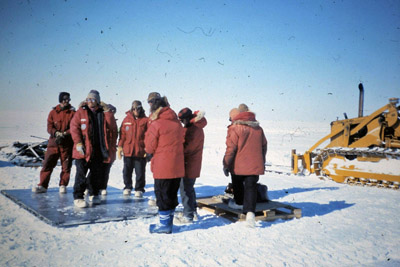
50,161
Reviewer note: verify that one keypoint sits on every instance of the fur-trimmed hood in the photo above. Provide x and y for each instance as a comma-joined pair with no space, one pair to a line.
246,118
58,108
105,106
165,113
82,104
197,115
102,105
141,114
198,119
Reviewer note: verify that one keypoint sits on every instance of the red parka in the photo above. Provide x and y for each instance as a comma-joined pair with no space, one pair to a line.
112,133
193,146
80,129
59,121
246,146
132,135
164,139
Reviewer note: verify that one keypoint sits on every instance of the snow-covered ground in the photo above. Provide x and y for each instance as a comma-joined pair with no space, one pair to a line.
342,225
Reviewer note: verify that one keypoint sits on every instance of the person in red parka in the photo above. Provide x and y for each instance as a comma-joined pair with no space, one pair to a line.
59,145
131,146
193,150
89,130
246,148
164,141
112,136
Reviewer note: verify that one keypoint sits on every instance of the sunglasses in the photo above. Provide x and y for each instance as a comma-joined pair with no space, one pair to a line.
90,100
137,109
66,99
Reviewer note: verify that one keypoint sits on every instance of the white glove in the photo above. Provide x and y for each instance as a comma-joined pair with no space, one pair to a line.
80,148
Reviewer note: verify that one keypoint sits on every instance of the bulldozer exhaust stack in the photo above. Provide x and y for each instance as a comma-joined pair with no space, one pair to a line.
361,101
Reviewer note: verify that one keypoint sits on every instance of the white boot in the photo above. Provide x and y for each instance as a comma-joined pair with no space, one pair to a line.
127,192
103,192
86,192
63,189
251,219
138,194
152,202
94,199
182,220
80,203
39,189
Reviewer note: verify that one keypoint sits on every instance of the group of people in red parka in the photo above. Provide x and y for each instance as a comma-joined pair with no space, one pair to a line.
172,143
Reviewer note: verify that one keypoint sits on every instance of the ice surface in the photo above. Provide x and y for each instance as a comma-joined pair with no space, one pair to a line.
341,225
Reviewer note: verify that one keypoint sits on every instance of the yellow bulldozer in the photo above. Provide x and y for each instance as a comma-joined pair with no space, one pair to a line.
363,150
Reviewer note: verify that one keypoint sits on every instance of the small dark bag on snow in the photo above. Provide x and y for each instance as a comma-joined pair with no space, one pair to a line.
262,192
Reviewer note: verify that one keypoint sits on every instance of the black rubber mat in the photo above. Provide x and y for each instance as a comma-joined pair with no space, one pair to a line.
58,209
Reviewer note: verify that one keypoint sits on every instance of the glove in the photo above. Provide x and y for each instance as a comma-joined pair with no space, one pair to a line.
59,138
80,149
120,153
148,157
226,171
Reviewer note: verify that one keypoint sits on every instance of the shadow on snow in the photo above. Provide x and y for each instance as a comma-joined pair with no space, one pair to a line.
6,164
309,209
282,193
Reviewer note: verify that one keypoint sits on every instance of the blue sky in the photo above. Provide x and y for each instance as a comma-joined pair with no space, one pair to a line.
288,60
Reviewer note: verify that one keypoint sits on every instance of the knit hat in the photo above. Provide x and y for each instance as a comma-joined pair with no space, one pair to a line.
95,95
153,95
112,108
185,113
136,104
233,113
62,95
243,108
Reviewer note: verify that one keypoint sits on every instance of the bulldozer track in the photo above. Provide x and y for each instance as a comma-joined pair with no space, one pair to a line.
366,153
278,169
376,151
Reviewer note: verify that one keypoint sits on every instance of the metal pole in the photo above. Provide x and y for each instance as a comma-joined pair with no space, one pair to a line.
361,100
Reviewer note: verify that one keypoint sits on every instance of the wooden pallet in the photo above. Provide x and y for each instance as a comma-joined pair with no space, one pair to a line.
266,211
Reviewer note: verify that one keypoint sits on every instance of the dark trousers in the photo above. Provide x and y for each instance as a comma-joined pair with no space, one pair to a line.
188,196
166,191
139,164
50,161
92,181
245,191
104,182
